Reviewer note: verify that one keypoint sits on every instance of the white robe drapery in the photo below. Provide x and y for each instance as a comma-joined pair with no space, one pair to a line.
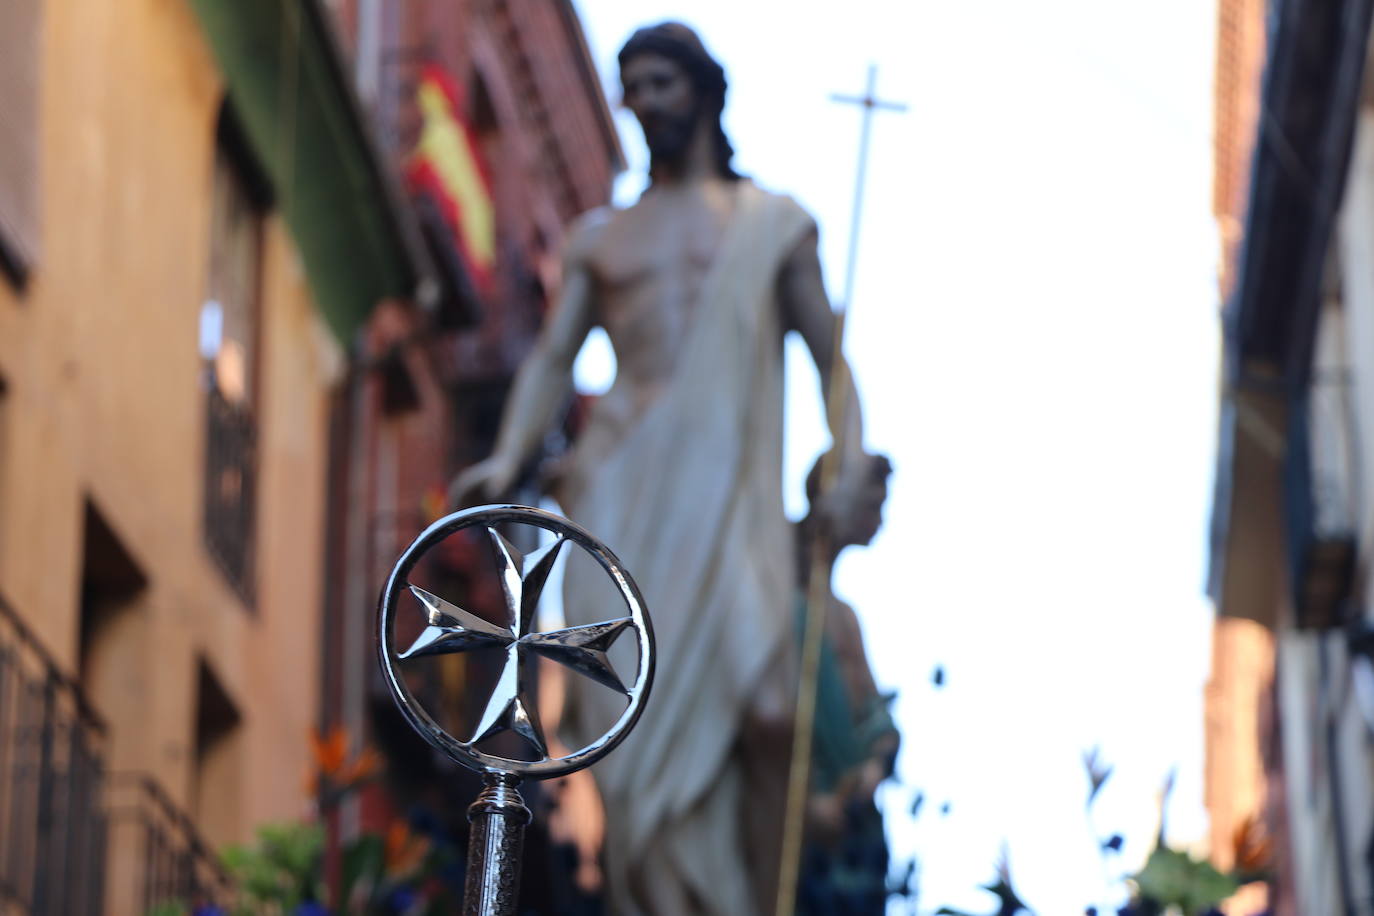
690,499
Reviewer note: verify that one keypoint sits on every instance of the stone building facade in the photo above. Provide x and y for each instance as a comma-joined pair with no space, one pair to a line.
266,272
175,319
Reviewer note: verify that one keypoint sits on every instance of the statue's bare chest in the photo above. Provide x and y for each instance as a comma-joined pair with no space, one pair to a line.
649,267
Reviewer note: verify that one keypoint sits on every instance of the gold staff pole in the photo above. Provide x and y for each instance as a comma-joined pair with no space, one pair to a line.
818,584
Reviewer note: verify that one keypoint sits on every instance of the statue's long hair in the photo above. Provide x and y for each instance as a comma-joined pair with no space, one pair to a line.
679,43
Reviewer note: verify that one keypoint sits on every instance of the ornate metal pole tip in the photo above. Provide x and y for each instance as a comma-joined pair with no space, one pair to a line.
499,815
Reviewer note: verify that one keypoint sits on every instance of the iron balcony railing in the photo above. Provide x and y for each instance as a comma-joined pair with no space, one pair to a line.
1321,499
52,821
157,855
74,840
231,490
51,779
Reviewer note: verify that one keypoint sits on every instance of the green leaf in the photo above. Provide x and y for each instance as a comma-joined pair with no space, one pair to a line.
1173,878
280,870
363,860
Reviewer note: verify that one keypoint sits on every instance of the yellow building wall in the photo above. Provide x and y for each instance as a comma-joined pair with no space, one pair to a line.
104,400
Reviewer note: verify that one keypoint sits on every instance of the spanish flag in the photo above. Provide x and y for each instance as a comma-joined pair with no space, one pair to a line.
447,164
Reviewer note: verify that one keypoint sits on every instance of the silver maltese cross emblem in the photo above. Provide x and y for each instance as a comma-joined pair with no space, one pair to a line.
452,629
511,706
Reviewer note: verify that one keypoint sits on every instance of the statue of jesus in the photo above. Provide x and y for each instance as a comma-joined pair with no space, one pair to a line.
679,469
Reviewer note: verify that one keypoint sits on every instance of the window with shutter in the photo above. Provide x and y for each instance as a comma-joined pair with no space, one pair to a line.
19,62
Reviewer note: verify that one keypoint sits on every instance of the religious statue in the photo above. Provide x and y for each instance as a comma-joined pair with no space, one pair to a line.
679,469
854,744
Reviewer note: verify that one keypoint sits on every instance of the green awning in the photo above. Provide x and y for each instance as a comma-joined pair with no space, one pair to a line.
297,109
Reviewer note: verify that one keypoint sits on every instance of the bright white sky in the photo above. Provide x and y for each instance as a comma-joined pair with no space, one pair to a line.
1034,337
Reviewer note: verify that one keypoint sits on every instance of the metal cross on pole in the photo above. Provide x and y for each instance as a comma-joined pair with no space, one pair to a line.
870,103
499,815
799,776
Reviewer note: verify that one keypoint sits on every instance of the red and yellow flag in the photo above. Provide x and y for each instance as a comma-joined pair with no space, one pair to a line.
447,164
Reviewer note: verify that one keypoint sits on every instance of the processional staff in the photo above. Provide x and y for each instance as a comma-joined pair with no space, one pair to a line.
498,816
799,776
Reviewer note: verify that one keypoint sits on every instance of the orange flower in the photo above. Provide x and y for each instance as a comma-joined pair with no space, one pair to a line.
404,850
366,765
333,769
329,751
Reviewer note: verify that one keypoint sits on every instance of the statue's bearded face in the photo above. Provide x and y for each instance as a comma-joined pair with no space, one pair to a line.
661,95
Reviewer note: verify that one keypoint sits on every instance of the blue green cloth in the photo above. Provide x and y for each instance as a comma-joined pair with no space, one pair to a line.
848,878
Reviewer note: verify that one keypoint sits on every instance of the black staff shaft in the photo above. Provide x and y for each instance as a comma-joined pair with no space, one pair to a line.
498,820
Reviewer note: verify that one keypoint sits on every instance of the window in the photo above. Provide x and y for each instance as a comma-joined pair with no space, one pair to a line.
111,634
229,321
218,760
229,348
19,65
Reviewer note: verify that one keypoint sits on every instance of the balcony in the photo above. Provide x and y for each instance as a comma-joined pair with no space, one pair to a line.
156,855
74,840
230,490
52,773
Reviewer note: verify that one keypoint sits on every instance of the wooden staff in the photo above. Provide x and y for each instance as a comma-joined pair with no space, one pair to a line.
818,579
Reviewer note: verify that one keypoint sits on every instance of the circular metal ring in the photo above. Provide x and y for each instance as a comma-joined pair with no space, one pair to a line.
453,630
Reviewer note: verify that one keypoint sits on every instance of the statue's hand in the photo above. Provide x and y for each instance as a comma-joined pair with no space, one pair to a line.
484,481
851,510
834,509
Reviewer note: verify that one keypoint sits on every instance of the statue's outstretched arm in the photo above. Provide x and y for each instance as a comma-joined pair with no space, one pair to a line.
806,309
541,386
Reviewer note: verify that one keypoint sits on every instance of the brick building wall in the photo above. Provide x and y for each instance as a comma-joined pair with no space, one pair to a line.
1239,694
528,95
